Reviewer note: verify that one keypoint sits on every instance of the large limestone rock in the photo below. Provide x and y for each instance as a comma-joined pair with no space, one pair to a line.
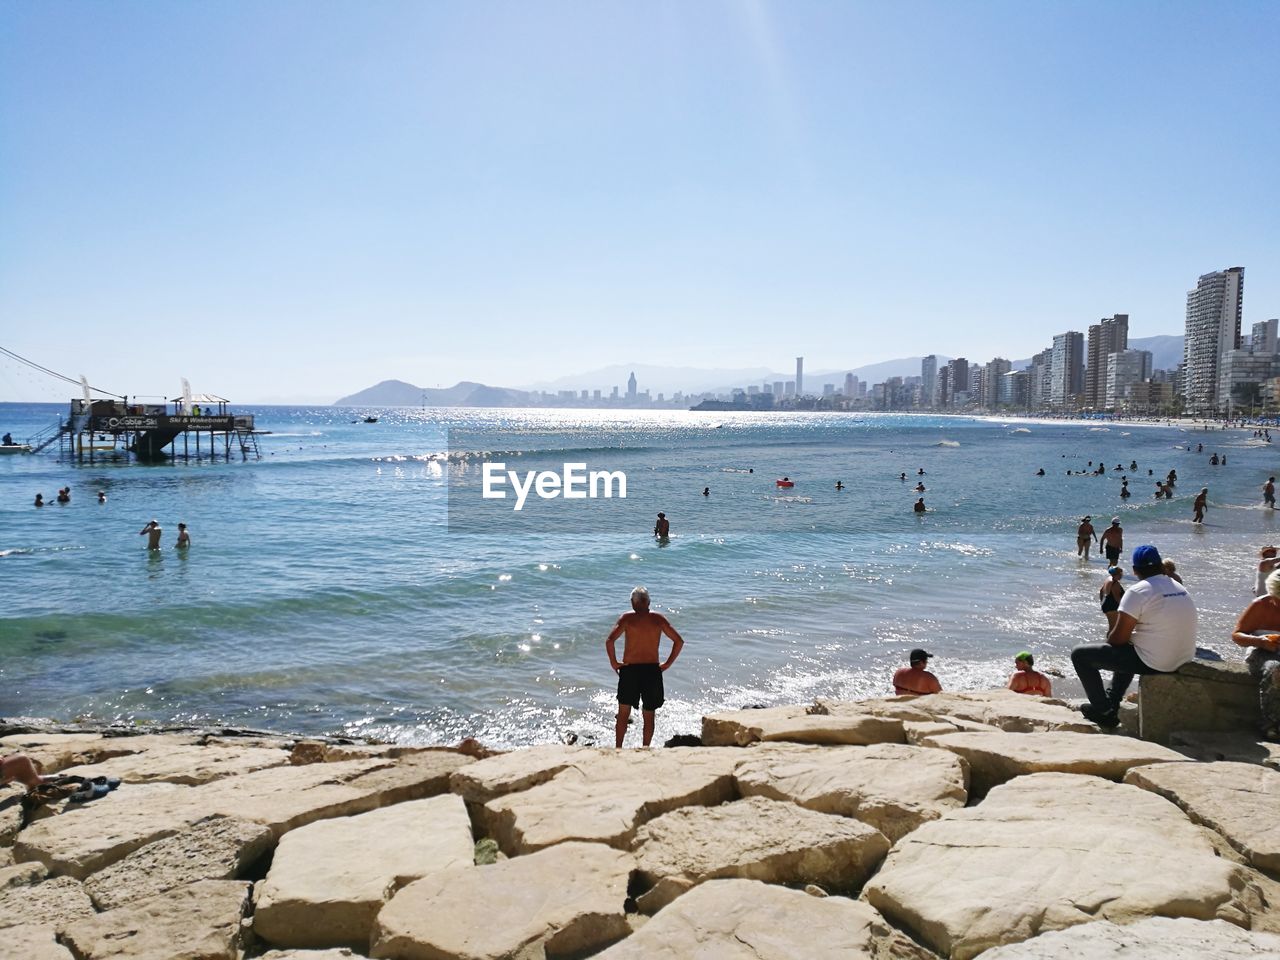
1238,800
338,953
189,764
329,879
1048,851
281,798
755,839
737,728
31,942
10,814
1242,746
606,797
995,758
220,848
1003,709
518,770
891,786
564,900
197,922
748,920
22,875
58,751
54,903
1157,938
1203,695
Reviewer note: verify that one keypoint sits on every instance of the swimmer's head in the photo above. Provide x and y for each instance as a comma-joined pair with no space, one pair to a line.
639,599
1267,552
661,514
1025,657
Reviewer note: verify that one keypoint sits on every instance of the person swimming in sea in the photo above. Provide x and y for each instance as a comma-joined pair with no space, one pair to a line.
919,488
919,507
1124,490
184,538
706,491
839,485
1040,472
662,529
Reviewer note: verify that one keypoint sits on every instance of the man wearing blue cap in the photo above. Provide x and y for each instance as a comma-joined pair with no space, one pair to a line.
1154,632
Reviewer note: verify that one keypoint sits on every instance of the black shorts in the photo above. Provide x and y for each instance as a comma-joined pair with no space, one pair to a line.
1113,553
640,680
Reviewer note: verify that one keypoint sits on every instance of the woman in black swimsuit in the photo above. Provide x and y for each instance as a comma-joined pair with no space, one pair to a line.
1110,593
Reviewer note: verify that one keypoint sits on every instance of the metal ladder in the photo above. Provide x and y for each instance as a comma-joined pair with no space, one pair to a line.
248,444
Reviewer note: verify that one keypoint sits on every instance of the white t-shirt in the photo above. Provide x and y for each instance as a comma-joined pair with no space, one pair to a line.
1165,634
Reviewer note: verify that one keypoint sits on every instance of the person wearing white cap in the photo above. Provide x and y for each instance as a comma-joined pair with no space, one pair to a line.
1112,541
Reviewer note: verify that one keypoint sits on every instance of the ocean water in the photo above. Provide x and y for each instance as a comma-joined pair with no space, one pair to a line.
352,582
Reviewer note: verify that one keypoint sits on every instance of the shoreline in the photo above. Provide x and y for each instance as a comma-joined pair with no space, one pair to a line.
845,820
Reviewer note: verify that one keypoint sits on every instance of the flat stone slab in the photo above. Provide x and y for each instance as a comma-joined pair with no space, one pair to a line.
220,848
338,953
753,839
196,922
738,728
1241,747
1240,801
749,920
511,772
51,903
189,764
1158,938
892,787
328,880
29,942
1049,851
1002,709
84,841
564,900
22,875
996,758
607,796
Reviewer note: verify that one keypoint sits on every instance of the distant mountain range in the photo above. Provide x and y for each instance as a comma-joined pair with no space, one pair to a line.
1166,354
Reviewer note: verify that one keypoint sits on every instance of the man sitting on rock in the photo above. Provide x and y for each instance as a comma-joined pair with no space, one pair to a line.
1154,632
1027,679
915,679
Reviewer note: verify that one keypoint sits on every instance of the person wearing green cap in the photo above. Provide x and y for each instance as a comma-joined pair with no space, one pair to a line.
1027,679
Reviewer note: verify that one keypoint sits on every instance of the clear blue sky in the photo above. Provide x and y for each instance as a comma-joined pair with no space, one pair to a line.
282,199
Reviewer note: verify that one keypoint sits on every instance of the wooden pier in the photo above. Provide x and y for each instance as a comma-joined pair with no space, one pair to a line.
205,428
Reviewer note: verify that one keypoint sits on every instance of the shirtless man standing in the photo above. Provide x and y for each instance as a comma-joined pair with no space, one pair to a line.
153,532
1200,504
1112,541
640,673
1269,493
916,679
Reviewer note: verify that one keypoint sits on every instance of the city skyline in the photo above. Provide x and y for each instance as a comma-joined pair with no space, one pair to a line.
267,197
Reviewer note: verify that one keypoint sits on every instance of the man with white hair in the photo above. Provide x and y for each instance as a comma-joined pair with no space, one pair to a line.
640,672
1259,628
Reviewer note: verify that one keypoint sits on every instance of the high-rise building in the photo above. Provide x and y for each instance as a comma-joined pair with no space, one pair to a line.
959,368
1241,375
929,379
1012,390
799,376
1066,368
943,393
1214,309
995,371
828,389
850,384
777,389
631,386
1125,368
1264,337
1106,337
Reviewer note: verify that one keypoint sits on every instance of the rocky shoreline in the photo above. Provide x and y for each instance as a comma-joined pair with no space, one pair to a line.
954,825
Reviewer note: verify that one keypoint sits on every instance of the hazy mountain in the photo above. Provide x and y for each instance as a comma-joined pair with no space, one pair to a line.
397,393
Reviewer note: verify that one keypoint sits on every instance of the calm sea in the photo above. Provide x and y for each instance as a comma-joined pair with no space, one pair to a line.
334,587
